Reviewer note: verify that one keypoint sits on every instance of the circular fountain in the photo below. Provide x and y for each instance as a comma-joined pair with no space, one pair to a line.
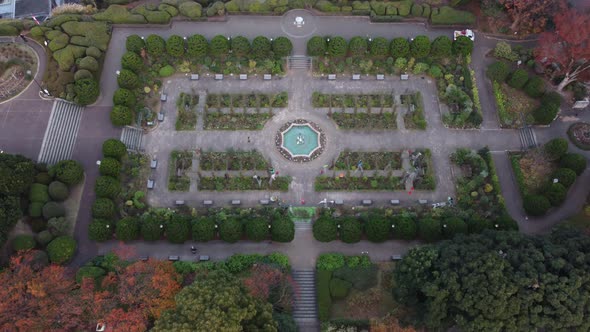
300,140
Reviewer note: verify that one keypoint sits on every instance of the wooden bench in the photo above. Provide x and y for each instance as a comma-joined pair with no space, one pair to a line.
150,184
207,202
396,257
243,77
264,201
194,77
405,77
331,77
163,97
367,202
179,202
380,77
338,202
267,77
160,117
218,77
236,202
203,258
423,201
394,202
154,164
173,258
356,77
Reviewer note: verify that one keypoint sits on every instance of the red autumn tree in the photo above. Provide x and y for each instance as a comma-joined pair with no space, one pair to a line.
531,15
568,47
272,285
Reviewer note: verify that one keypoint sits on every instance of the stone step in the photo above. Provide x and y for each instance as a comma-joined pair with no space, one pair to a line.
305,311
61,133
132,138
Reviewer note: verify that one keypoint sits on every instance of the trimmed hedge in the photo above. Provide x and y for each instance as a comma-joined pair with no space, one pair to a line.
110,167
69,172
100,230
405,228
556,148
441,47
565,176
317,46
573,161
230,230
93,272
282,47
535,87
127,229
58,191
453,226
323,292
61,249
39,193
175,46
132,61
114,148
197,46
59,226
155,45
127,79
498,71
337,47
261,47
536,205
325,229
282,229
86,89
203,229
518,78
107,187
52,210
379,47
178,229
135,44
429,229
556,193
103,208
121,116
124,97
378,229
219,46
339,288
399,48
357,46
240,46
351,230
449,16
151,228
257,229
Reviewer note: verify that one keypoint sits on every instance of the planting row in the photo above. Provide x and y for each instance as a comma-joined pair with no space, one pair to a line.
252,100
352,101
232,161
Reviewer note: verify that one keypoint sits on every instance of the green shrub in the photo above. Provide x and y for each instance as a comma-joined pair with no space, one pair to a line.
573,161
261,47
545,113
429,229
503,50
317,46
59,226
151,228
219,46
38,224
135,44
39,193
339,288
8,30
378,229
23,242
240,46
565,176
416,10
218,9
36,209
44,237
69,172
323,290
178,229
58,191
556,148
278,259
282,47
88,34
325,229
43,178
83,74
67,56
351,230
127,229
132,61
157,17
518,78
107,187
166,71
257,229
337,47
88,63
119,15
536,205
127,79
87,90
197,46
103,208
399,48
110,167
379,47
190,9
405,228
171,10
285,322
556,193
449,16
155,45
552,98
100,230
282,230
420,68
203,229
124,97
326,6
230,230
435,71
535,87
498,71
463,46
93,272
53,209
58,41
114,148
175,46
441,47
453,226
121,116
241,262
358,46
420,47
61,249
330,262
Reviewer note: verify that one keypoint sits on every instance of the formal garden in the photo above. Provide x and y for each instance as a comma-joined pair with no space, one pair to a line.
18,65
186,118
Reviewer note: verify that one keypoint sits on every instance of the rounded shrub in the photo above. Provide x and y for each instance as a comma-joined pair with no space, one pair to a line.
203,229
453,226
110,167
151,228
498,71
155,45
36,209
82,74
317,46
339,288
38,224
351,230
100,230
573,161
132,61
107,187
420,47
219,46
124,97
358,46
23,242
556,148
94,52
545,113
103,208
134,43
399,48
127,229
261,47
58,191
88,63
257,229
121,116
337,47
52,210
282,47
378,229
127,79
87,91
429,229
518,78
556,193
190,9
565,176
462,46
178,229
43,178
39,193
441,47
175,46
552,98
240,46
405,228
44,237
379,47
536,205
325,229
59,226
282,229
61,249
535,87
197,46
166,71
230,230
114,148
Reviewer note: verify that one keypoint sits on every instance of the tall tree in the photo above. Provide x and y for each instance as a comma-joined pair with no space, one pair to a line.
568,46
531,15
270,284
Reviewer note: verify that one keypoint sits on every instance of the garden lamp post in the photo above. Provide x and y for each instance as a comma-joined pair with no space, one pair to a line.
45,91
118,72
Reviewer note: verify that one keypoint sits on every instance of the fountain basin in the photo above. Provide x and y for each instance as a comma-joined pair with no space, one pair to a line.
300,140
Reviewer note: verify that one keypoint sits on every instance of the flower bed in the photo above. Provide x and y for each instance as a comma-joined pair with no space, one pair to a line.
187,115
414,117
361,120
239,183
579,134
340,183
251,100
232,161
352,101
180,163
235,121
348,160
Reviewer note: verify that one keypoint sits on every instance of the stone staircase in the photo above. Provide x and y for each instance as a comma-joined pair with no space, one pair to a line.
303,225
61,133
131,137
299,62
528,139
305,310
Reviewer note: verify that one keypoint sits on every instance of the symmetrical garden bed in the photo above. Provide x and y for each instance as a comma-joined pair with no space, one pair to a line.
235,121
180,163
369,101
241,182
232,161
579,134
365,120
252,100
187,116
347,183
386,160
414,114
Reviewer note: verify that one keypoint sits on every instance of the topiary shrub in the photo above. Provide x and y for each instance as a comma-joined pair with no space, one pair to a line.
556,148
357,46
135,44
282,47
197,46
379,47
190,9
166,71
230,230
339,288
351,230
157,17
87,91
261,47
453,226
203,229
178,229
556,193
124,97
155,45
325,229
107,187
151,228
127,79
43,178
535,87
378,229
420,47
103,208
127,229
565,176
399,48
82,74
175,46
132,61
110,167
61,249
429,229
498,71
94,52
257,229
58,191
441,47
121,116
573,161
317,46
337,47
39,193
100,230
405,228
219,46
240,46
536,205
88,63
59,226
36,209
462,46
282,229
518,78
545,113
23,242
43,238
114,148
53,209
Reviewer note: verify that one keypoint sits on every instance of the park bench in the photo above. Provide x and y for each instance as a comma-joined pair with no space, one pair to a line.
339,202
423,201
144,258
218,76
380,77
207,202
264,201
173,258
331,77
356,77
367,202
150,184
194,77
203,258
267,77
163,97
160,116
236,202
405,77
243,77
179,202
154,163
394,202
396,257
